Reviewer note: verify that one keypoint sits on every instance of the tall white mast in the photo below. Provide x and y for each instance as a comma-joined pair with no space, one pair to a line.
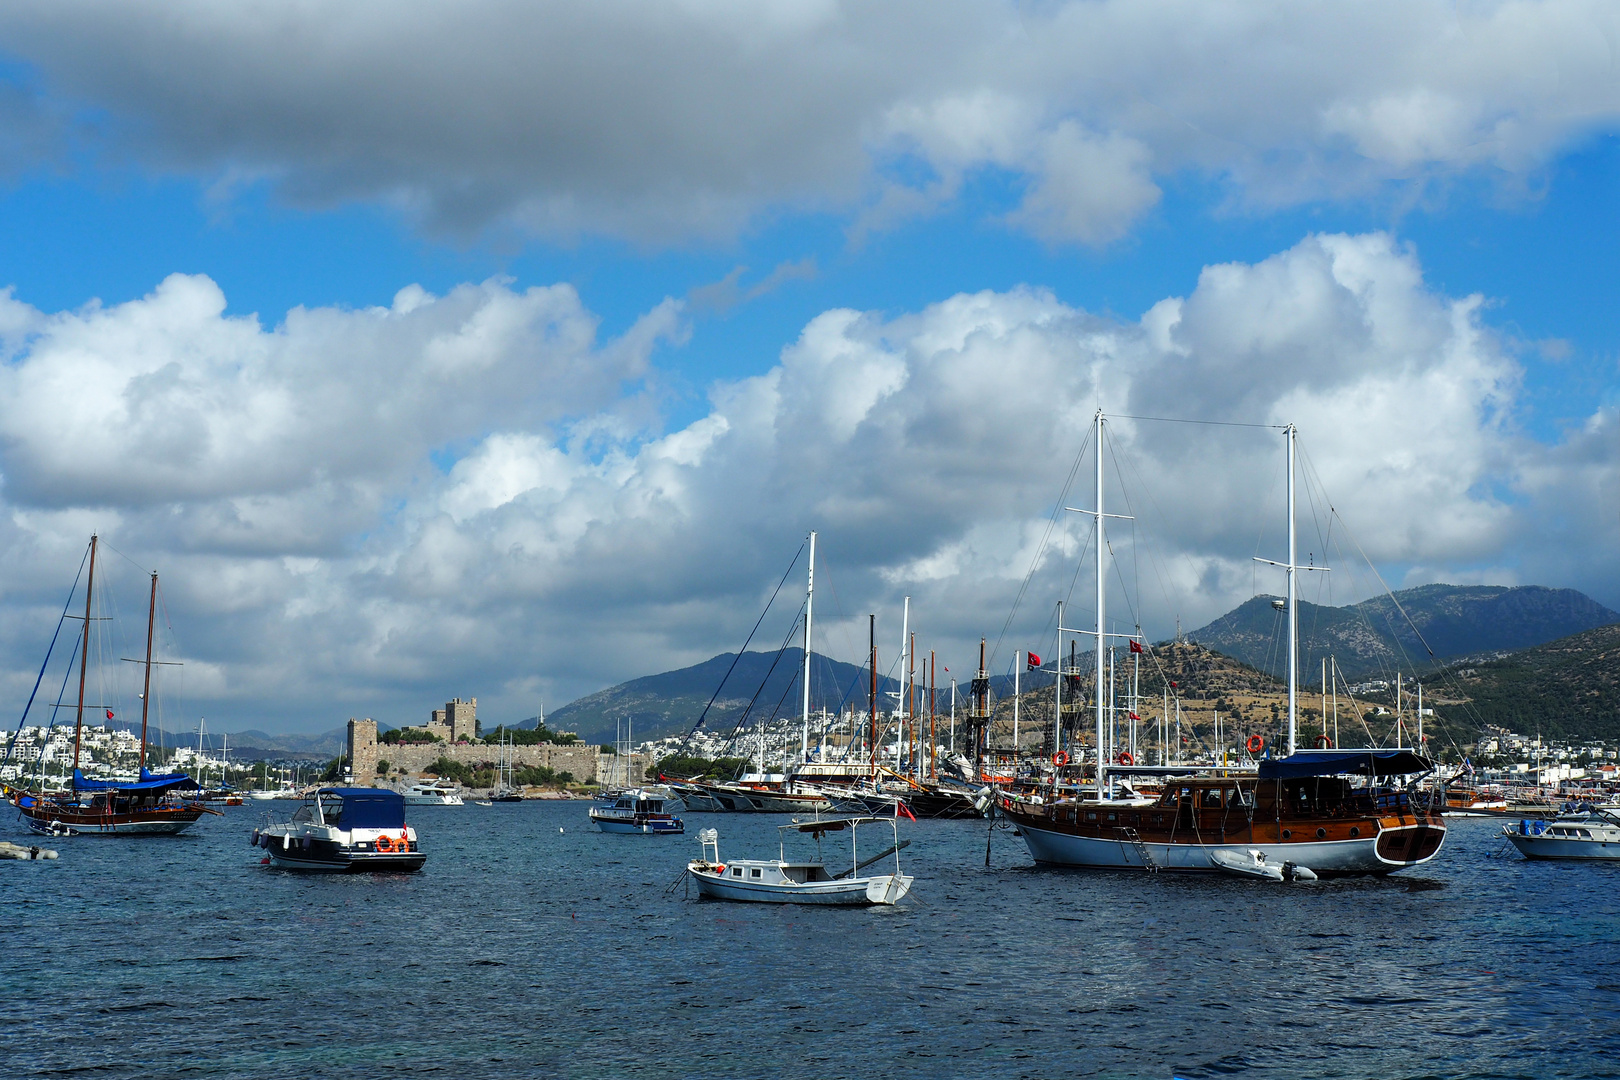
1293,607
1102,627
809,599
1057,687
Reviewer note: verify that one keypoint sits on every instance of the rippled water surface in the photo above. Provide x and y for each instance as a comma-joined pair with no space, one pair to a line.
533,945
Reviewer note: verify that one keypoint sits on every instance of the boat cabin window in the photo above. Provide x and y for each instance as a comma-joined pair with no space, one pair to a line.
755,872
1212,797
736,871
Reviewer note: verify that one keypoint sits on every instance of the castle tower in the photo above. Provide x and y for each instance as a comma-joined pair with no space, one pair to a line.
462,717
362,751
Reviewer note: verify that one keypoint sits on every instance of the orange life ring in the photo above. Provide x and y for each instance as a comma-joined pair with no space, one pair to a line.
385,844
1125,758
1256,744
1060,759
1324,743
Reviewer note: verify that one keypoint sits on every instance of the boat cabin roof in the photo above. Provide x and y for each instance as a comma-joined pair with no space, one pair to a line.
828,825
1369,762
361,808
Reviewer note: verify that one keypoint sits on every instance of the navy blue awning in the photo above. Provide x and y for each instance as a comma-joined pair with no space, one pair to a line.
149,783
1344,763
365,808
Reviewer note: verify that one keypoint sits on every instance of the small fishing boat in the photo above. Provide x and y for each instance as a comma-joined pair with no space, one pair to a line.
437,793
1580,832
344,830
636,811
779,881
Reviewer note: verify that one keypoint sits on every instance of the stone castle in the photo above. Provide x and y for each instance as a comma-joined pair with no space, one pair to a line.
457,725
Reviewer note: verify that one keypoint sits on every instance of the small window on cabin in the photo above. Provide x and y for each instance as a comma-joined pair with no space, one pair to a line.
754,872
1245,797
1113,817
736,871
1212,797
1091,816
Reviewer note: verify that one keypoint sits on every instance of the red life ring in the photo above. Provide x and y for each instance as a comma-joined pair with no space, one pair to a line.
1125,758
385,844
1060,759
1256,744
1324,743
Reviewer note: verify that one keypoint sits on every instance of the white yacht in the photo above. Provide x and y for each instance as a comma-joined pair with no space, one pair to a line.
636,811
780,881
437,793
1580,832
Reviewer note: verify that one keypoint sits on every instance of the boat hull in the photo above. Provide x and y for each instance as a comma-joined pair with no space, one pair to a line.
1394,848
856,892
1567,848
48,820
654,827
357,863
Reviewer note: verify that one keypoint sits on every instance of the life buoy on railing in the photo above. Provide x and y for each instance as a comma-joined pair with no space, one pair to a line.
1256,744
385,844
1324,743
1060,759
1125,758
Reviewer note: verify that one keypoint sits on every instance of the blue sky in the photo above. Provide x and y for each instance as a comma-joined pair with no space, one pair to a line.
627,389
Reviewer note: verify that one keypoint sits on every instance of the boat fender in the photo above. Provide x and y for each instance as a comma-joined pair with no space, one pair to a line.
255,837
1256,744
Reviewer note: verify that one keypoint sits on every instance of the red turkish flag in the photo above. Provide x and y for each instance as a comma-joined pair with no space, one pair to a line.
1034,661
1136,646
109,714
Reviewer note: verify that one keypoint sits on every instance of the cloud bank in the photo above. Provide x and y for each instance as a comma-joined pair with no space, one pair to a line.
365,511
661,122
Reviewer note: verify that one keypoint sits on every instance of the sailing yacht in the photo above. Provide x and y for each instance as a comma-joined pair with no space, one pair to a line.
154,804
1334,812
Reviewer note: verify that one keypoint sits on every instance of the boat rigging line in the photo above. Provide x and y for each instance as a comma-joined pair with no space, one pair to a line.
744,649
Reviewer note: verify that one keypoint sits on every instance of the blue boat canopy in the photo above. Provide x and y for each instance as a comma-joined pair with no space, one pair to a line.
364,808
149,783
1304,763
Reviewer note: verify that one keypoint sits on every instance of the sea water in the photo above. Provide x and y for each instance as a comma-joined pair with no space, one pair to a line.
533,945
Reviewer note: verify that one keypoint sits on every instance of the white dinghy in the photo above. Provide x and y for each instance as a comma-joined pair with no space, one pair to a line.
779,881
1252,863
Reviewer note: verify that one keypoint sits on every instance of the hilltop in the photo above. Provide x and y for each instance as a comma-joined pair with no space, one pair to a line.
1372,640
670,702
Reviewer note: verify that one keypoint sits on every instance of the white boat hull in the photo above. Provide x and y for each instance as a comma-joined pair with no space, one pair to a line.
881,889
1052,848
1563,847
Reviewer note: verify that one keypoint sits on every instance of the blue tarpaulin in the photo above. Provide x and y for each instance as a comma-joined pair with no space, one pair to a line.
149,783
1303,763
365,808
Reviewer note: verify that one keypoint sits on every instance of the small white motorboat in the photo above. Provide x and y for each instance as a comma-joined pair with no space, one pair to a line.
344,830
1252,863
439,793
636,811
780,881
1580,832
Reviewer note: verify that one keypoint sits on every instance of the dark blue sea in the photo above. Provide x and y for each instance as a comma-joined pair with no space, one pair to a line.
534,946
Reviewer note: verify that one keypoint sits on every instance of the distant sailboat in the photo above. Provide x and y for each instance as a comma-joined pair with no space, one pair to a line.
154,804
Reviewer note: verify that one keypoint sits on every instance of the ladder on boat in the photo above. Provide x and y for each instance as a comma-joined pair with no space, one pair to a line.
1128,835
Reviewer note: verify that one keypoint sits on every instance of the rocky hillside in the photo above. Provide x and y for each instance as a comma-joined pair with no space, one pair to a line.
1569,687
1372,640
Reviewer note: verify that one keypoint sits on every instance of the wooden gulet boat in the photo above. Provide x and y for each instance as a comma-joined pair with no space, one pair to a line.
154,804
1334,812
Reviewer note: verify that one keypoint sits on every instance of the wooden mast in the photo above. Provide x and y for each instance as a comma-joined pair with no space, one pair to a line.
146,690
872,697
933,722
84,656
911,702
